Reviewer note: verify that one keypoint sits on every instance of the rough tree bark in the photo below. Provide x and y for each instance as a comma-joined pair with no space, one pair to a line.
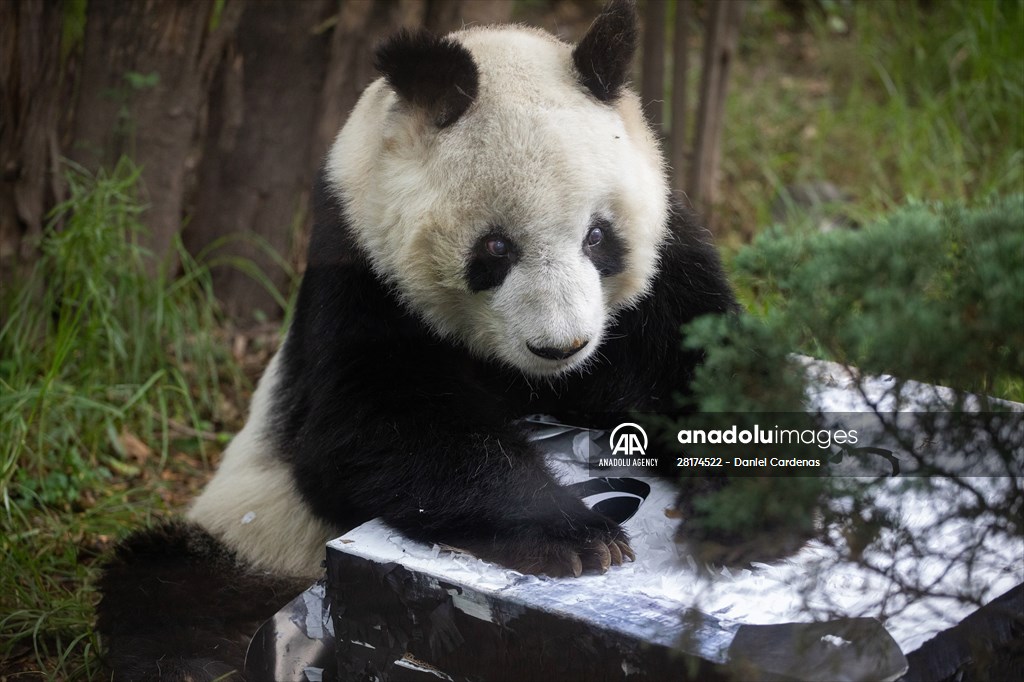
30,79
254,178
145,75
721,39
680,94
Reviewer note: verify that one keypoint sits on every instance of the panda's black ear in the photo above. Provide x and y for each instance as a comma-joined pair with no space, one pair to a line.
605,53
435,74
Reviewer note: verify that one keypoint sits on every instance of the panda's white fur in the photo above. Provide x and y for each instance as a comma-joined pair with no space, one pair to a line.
252,503
535,154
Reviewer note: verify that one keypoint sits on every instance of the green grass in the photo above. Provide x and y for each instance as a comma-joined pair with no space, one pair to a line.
100,349
886,99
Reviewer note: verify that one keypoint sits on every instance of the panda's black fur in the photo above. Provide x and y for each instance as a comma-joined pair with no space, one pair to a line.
371,412
178,605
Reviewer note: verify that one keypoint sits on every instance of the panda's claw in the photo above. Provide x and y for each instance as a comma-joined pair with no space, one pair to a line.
615,552
598,557
626,551
576,565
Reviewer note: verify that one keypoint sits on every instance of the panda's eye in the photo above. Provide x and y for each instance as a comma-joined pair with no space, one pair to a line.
493,256
497,247
604,247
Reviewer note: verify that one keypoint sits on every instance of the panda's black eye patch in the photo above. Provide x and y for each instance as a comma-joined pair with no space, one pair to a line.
605,248
490,261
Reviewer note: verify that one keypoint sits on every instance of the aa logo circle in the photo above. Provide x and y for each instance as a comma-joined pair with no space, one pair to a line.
628,439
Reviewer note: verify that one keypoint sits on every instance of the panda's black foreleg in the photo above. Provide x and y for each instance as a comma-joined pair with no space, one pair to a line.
479,487
521,519
511,511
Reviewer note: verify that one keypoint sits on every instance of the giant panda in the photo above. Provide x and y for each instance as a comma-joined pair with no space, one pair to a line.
493,236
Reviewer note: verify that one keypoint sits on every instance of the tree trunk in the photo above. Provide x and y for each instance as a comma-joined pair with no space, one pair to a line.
722,36
680,94
30,79
652,82
254,179
145,75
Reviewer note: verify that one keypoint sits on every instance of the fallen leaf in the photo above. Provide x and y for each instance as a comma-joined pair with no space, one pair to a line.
133,446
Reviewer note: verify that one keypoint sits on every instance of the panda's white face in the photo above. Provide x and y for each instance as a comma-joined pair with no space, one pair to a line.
522,227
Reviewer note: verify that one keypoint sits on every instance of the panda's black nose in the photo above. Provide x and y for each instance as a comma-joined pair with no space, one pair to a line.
553,353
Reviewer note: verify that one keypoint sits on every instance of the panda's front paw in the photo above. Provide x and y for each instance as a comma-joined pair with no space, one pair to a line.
598,555
572,550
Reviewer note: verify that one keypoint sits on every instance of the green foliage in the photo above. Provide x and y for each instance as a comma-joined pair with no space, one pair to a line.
752,507
890,100
934,293
99,341
748,378
747,365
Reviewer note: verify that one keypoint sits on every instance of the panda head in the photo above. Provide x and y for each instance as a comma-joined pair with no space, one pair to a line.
505,184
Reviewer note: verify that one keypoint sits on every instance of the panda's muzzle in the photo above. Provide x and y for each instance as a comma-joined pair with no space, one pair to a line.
555,353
